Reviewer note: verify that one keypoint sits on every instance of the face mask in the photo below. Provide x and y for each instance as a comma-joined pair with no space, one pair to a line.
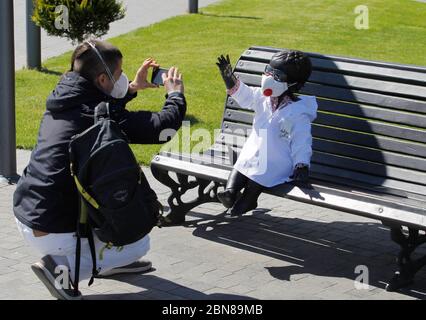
272,87
121,86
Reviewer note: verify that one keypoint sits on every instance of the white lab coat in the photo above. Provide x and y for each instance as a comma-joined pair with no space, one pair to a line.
278,141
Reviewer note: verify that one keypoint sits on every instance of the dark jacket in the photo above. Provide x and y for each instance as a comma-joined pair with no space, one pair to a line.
46,197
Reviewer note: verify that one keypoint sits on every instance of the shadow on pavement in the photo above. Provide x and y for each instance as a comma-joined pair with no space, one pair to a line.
172,290
328,249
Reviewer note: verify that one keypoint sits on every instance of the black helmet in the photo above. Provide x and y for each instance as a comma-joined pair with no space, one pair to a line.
295,64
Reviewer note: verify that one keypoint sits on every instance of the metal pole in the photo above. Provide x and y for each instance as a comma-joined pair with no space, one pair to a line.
193,6
33,40
7,93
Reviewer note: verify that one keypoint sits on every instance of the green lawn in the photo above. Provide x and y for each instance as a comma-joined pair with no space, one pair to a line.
192,42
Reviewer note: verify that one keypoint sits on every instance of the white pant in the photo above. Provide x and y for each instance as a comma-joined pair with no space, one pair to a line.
61,246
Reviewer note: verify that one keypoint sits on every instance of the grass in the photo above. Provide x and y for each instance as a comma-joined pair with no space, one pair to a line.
397,33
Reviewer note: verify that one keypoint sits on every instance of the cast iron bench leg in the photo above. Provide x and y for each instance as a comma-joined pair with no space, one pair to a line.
407,267
207,192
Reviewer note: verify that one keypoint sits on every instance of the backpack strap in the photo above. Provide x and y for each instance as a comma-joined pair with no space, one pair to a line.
102,112
84,224
81,223
93,254
85,194
77,263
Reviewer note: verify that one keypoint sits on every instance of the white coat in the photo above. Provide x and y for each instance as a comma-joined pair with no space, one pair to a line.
278,140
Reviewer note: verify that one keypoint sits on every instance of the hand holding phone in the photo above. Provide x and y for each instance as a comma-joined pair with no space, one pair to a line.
140,81
157,76
173,81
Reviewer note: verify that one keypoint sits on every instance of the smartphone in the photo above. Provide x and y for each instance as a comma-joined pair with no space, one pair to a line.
157,76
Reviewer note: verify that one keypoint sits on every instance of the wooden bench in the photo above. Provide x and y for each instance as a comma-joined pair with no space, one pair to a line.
369,143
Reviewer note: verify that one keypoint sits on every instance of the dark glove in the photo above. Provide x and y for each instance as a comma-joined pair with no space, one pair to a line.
301,174
225,68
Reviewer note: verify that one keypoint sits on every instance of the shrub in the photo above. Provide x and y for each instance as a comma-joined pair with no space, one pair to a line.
77,20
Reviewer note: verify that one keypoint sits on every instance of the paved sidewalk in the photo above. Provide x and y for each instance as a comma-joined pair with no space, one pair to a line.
139,14
285,250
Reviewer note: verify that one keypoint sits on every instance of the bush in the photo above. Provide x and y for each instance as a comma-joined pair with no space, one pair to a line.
77,20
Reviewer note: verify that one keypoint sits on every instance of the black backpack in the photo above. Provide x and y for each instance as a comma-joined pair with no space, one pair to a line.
116,201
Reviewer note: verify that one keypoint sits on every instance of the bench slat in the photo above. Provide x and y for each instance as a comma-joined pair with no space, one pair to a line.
375,155
370,141
372,168
369,85
348,81
352,137
234,128
397,195
379,73
349,123
346,68
365,178
346,64
389,200
343,149
361,111
374,113
371,127
356,96
204,158
349,95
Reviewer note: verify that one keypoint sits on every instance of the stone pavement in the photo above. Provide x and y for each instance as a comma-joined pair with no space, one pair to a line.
139,14
284,250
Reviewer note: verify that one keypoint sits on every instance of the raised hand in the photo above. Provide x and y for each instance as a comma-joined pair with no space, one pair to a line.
225,68
140,82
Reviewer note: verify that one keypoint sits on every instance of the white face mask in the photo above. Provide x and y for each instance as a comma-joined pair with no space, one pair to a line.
272,87
121,86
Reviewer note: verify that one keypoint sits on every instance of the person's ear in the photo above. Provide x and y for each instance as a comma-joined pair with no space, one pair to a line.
102,82
102,79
